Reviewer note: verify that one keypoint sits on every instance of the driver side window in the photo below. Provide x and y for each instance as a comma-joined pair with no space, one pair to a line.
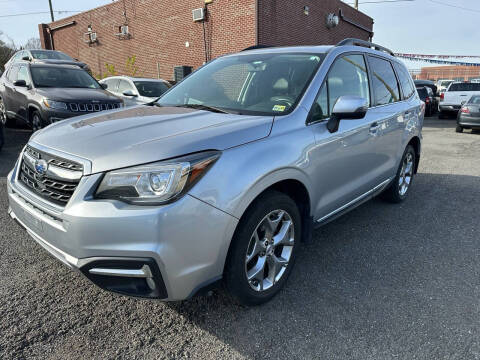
347,76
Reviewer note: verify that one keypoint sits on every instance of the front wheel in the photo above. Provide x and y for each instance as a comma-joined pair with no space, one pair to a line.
398,189
459,129
263,249
37,121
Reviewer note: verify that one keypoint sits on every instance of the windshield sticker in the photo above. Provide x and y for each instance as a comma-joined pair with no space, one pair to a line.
279,108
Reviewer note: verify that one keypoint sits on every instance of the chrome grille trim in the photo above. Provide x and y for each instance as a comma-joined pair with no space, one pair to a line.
57,184
91,107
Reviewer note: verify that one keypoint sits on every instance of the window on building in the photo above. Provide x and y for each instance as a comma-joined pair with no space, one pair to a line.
385,85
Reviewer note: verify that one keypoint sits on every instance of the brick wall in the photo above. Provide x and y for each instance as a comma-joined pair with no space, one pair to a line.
283,22
160,29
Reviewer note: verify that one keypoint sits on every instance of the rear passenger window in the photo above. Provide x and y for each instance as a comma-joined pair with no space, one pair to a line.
385,86
406,82
347,76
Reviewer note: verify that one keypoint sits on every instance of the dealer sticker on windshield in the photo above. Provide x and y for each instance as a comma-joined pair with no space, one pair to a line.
279,108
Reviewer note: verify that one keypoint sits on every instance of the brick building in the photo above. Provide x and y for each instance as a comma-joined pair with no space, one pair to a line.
162,34
454,72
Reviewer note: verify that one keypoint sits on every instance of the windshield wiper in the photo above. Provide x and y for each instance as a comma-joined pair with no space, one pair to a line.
203,107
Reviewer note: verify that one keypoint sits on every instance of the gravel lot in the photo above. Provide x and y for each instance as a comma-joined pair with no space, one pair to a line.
383,282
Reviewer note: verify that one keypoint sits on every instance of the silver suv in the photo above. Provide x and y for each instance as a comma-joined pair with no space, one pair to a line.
224,177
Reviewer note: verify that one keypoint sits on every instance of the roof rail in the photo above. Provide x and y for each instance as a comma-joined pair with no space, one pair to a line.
367,44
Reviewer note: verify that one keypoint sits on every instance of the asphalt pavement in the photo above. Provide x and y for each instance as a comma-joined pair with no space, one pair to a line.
382,282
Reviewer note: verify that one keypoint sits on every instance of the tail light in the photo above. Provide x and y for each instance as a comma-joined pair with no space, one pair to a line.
465,110
442,96
427,100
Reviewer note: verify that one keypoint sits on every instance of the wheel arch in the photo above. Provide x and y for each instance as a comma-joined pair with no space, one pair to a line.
31,108
293,186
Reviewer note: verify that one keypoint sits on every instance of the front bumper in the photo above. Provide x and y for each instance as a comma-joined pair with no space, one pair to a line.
184,243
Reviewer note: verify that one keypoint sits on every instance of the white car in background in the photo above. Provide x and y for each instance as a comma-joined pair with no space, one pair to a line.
136,91
442,85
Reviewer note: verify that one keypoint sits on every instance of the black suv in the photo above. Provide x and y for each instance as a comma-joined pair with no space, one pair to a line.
45,56
41,94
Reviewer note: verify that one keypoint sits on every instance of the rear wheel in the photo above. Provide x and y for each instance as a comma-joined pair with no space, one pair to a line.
398,189
459,129
263,249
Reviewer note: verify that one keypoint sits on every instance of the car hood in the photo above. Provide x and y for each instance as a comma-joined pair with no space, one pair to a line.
76,94
143,134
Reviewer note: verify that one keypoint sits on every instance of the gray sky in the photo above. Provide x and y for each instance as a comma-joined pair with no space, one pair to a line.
419,26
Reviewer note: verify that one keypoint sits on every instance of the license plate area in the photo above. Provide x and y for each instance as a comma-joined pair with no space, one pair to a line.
32,222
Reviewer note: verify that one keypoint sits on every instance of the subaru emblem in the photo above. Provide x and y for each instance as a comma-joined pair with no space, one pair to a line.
41,167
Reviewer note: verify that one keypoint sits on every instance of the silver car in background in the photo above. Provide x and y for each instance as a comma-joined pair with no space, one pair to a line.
136,91
223,178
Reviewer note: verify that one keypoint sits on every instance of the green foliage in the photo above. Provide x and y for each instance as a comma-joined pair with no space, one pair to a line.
131,69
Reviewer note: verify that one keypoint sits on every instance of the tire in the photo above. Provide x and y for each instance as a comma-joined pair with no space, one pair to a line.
2,136
401,184
442,115
3,113
459,129
243,278
37,122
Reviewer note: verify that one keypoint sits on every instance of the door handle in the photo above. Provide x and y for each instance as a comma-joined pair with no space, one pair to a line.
374,128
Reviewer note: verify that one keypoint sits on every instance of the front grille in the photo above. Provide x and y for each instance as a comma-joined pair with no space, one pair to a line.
48,185
91,107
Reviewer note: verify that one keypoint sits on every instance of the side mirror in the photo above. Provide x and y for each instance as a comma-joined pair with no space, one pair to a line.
347,107
26,58
129,93
20,83
104,86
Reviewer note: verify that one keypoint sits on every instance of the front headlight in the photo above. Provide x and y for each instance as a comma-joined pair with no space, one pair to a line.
156,183
58,105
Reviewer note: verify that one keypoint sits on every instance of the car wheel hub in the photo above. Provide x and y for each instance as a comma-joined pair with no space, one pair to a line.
3,113
269,250
406,174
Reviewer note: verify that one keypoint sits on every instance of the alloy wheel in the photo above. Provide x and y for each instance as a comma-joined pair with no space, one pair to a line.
36,122
3,113
405,174
269,250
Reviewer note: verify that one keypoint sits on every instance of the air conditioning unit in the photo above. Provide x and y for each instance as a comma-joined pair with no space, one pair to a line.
124,29
181,72
198,14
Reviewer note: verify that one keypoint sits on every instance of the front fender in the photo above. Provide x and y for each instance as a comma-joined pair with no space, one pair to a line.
244,172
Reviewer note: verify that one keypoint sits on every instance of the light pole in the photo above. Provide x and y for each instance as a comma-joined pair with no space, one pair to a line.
51,10
356,5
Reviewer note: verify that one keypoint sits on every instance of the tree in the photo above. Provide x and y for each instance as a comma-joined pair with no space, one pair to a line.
6,51
32,43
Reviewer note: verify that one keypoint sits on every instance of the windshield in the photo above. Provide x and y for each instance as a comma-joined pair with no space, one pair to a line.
54,55
464,87
445,83
62,78
151,88
257,84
